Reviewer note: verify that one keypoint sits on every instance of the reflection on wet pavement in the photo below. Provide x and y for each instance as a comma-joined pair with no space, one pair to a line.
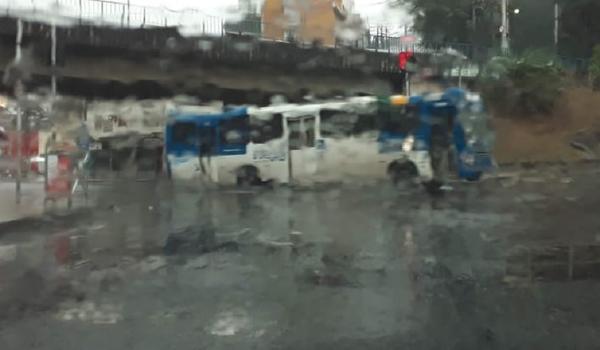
157,267
556,263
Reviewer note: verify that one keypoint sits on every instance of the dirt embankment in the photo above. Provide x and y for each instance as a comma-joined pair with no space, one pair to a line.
548,138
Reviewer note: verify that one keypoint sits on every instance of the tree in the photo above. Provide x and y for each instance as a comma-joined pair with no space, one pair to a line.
579,27
441,22
525,86
450,20
477,22
595,68
533,27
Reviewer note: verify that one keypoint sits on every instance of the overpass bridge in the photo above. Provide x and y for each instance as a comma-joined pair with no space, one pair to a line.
113,50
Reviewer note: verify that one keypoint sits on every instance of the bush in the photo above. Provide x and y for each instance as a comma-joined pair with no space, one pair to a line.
525,87
595,68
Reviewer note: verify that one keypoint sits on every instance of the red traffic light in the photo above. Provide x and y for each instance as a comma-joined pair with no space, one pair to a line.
403,59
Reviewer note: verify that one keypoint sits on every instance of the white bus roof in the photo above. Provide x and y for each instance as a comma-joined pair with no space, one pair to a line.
292,110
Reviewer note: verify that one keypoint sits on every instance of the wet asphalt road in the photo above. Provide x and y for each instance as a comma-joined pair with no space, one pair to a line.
509,263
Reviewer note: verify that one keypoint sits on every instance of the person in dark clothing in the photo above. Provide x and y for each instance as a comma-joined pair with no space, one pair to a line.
441,141
205,147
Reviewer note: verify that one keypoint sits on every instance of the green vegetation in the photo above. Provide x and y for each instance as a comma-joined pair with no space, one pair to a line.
531,82
525,87
464,21
477,22
595,68
579,27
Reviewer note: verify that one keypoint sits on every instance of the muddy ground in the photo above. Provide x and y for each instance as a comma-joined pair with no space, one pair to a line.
509,263
548,138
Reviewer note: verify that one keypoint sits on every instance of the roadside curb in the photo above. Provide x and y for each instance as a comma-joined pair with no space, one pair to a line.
534,164
47,220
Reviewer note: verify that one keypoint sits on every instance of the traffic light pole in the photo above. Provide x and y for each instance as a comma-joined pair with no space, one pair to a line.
19,145
556,24
504,45
18,93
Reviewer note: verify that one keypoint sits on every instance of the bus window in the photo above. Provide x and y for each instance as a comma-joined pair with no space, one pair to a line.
295,135
399,119
185,133
309,130
365,123
340,124
233,131
337,124
301,132
262,130
206,140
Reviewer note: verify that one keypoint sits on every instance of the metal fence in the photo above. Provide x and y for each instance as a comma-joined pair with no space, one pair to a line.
394,44
190,21
115,13
576,65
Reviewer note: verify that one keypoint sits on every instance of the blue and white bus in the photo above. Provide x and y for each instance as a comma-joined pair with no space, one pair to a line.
357,138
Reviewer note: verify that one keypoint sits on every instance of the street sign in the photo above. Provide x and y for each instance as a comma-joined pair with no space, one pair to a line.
408,39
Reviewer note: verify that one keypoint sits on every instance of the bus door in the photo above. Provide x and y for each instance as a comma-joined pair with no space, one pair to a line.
302,160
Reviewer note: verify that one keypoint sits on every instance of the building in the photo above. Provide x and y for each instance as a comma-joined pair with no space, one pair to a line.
250,24
305,21
247,6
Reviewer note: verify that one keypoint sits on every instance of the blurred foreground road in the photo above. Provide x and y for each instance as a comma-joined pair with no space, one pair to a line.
32,200
510,263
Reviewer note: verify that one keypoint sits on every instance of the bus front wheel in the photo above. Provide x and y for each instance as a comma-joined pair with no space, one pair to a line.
248,176
402,172
473,176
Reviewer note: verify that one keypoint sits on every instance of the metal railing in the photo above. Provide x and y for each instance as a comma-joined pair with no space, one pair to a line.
394,44
576,65
115,13
121,13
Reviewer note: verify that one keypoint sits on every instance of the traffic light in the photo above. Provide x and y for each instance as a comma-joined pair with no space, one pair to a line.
403,59
407,62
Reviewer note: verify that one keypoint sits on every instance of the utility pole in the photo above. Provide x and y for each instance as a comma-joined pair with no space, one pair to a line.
18,94
473,18
53,60
504,45
556,24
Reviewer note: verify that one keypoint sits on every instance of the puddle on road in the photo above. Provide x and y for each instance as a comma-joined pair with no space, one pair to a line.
555,263
230,322
90,312
292,240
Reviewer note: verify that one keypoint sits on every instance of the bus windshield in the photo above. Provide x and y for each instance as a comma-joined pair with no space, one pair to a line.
397,119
